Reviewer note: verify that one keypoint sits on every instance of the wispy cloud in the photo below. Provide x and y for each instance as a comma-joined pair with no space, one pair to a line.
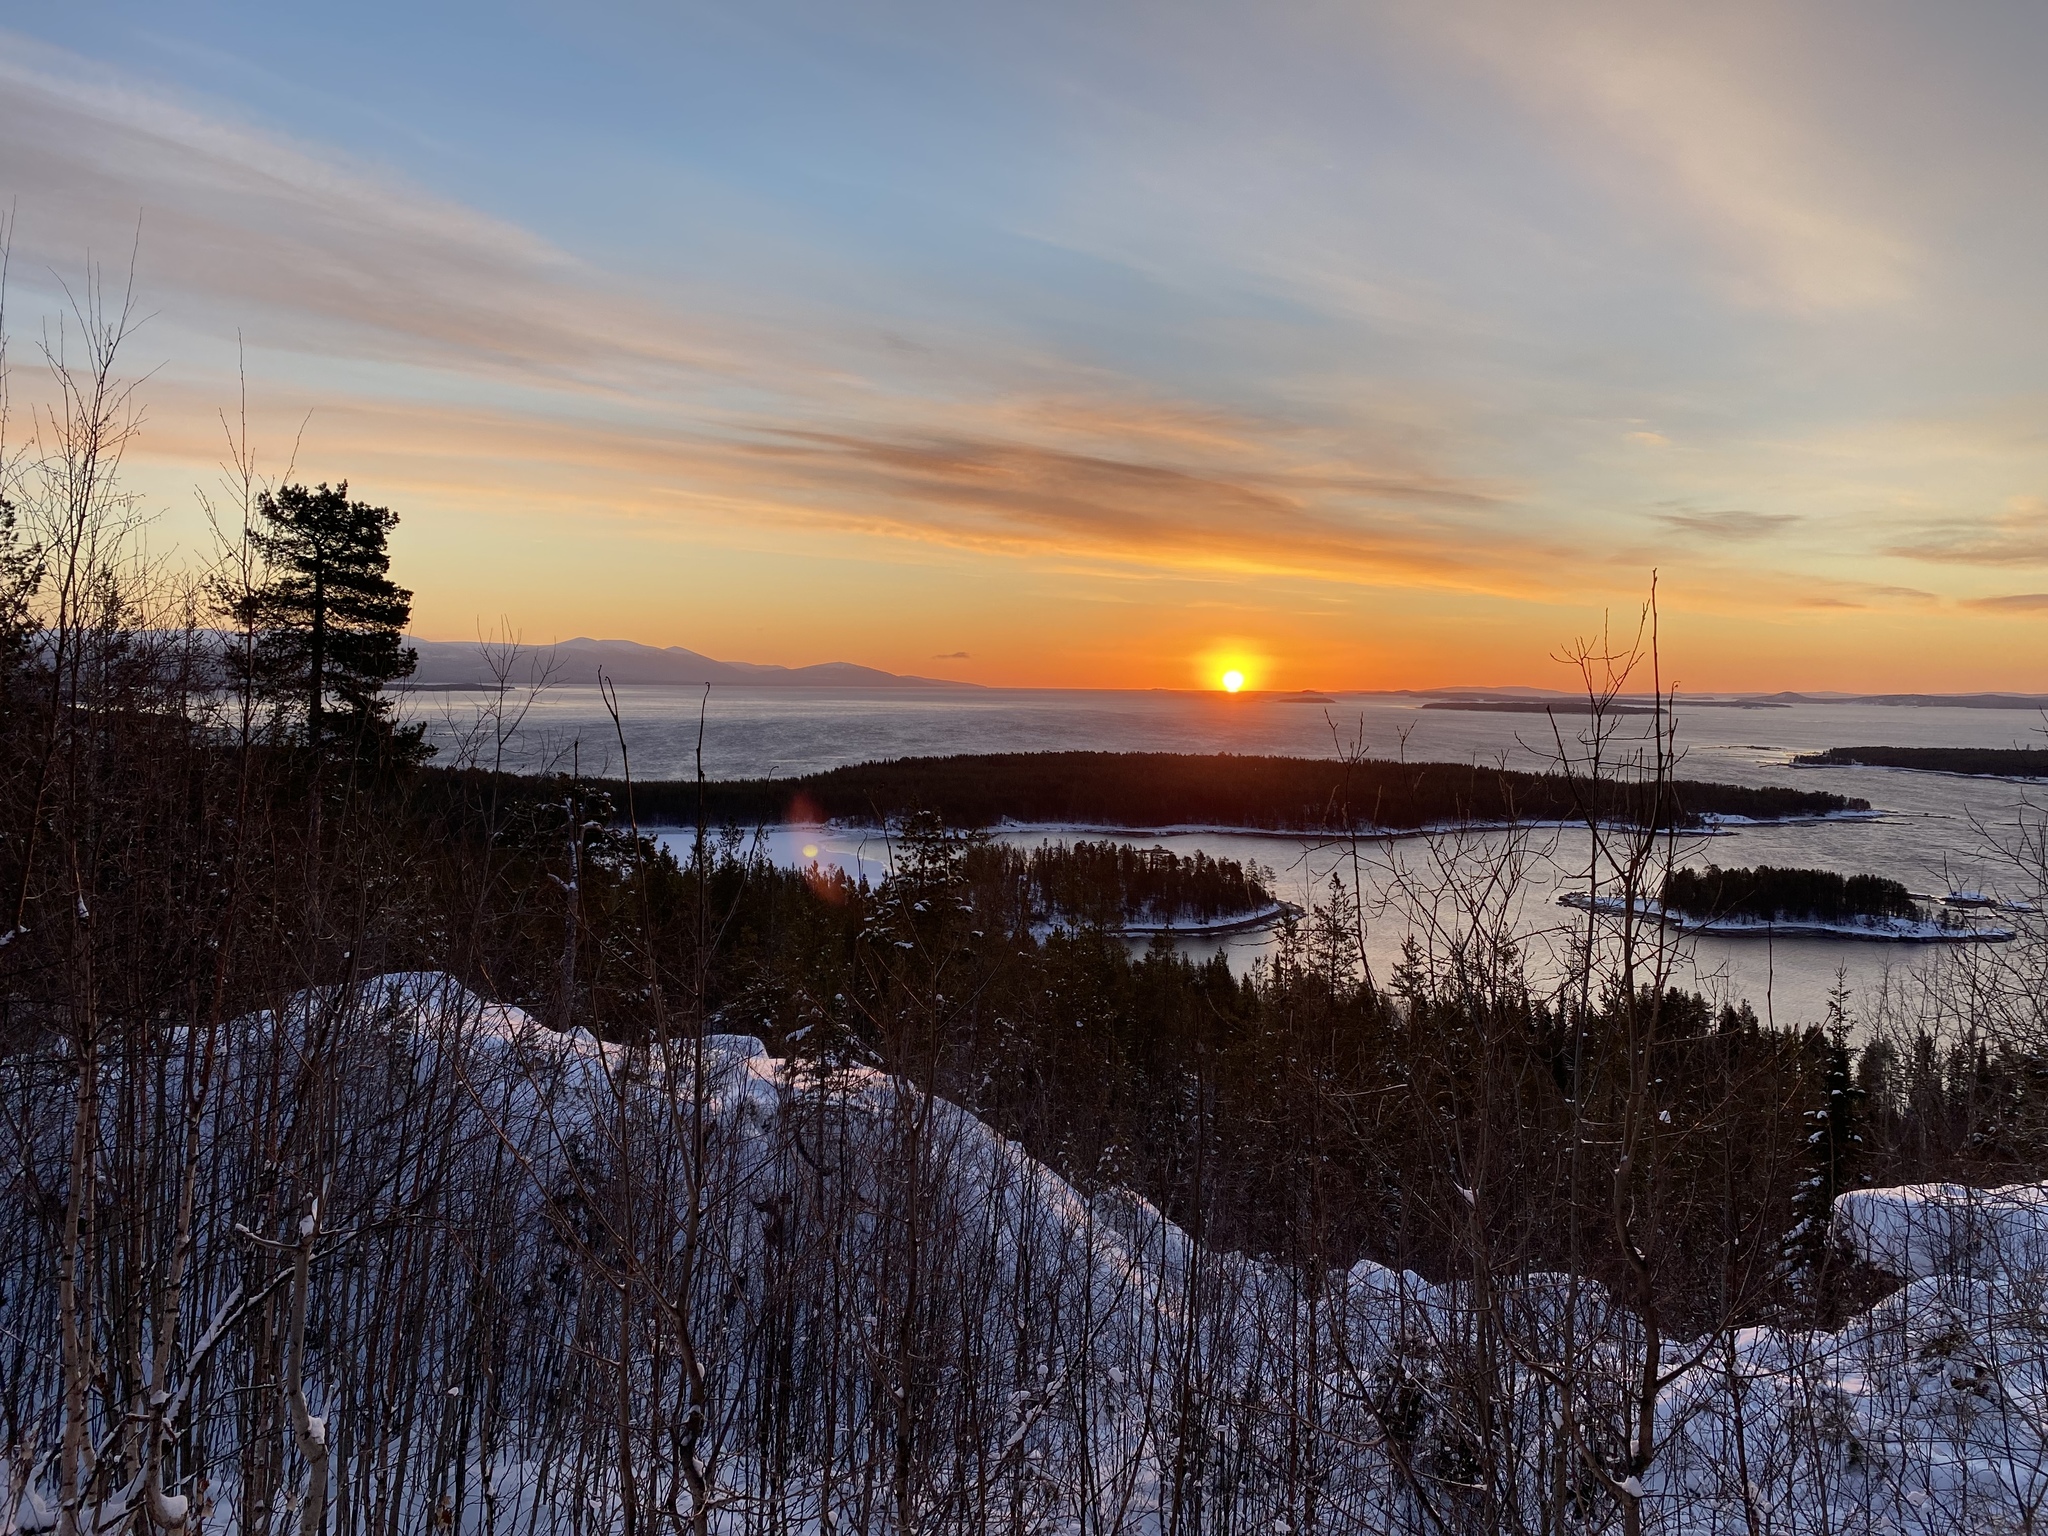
1847,597
2016,602
2016,536
1666,105
1008,493
1730,524
313,252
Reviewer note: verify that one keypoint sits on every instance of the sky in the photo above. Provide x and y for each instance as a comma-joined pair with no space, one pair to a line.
1095,342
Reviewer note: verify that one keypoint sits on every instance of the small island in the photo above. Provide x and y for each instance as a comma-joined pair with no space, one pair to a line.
1138,892
1563,705
1971,762
1795,903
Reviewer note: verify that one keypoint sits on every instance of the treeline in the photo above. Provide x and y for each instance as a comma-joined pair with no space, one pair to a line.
1164,789
1769,894
1110,884
1988,762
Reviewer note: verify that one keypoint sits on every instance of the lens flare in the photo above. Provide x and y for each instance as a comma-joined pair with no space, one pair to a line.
1233,680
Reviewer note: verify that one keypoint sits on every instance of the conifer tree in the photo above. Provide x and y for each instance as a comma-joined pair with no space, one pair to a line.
21,572
1834,1143
330,621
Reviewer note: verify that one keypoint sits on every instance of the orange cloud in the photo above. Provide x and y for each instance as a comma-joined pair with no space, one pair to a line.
1011,494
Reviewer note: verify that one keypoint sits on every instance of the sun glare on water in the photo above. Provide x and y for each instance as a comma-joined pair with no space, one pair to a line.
1232,680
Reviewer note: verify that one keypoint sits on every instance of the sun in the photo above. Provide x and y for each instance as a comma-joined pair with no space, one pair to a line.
1232,665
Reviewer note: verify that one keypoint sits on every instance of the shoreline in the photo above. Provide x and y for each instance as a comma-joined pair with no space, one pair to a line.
1269,916
1272,915
1713,824
1931,773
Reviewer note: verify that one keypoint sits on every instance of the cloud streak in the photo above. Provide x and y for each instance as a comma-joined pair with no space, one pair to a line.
1663,103
2016,536
1011,494
1730,524
315,253
2016,602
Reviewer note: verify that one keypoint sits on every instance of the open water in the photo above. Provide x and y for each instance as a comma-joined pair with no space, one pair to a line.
1937,832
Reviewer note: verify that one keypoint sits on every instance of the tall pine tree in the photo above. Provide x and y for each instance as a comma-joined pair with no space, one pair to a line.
1834,1149
330,622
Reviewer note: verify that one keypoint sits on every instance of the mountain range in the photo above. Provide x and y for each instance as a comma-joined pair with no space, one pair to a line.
463,664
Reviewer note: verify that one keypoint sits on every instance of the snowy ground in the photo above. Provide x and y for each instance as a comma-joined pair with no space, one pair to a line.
1130,1361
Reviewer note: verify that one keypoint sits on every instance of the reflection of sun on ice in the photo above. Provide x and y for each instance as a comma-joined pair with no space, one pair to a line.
1233,680
810,850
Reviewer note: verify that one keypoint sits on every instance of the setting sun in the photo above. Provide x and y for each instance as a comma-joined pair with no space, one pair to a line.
1233,680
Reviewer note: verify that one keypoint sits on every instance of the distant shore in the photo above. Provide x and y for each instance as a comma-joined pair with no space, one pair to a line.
2021,764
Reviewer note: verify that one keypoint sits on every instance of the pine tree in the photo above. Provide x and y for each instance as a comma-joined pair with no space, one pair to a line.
21,572
1834,1145
1411,975
330,622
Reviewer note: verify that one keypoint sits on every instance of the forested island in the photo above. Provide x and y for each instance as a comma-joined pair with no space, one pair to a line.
1168,789
1115,886
1977,762
1791,903
1767,894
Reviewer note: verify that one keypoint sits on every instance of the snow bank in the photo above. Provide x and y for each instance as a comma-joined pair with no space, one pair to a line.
1917,1231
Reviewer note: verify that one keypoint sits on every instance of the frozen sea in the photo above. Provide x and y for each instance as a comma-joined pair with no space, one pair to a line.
1937,832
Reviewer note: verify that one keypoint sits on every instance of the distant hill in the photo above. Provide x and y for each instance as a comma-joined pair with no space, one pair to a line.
2028,701
461,664
1535,700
